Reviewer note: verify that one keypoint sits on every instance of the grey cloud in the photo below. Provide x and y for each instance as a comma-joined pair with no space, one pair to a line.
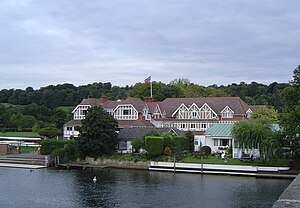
207,41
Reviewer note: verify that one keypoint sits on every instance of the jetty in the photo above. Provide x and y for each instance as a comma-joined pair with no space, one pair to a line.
237,170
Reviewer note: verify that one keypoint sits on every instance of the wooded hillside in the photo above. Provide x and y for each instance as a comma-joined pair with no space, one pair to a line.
30,108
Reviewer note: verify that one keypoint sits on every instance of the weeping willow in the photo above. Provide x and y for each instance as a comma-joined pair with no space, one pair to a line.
255,132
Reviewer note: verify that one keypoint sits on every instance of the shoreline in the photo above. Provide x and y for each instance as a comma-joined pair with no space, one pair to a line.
236,170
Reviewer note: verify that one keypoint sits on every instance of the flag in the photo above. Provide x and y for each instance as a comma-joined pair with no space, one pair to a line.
148,79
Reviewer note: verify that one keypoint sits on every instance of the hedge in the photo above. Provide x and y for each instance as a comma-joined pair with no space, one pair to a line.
154,145
181,143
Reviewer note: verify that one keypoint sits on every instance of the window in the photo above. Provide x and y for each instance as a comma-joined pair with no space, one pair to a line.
224,142
69,128
182,126
193,126
194,114
196,143
216,142
126,112
203,126
123,145
227,113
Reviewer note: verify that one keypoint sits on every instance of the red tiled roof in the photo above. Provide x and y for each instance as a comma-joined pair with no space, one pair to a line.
217,104
170,105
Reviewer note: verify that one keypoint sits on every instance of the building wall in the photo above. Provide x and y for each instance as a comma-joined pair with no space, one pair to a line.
203,140
9,149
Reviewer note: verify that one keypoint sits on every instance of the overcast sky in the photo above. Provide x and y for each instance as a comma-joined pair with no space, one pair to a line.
125,41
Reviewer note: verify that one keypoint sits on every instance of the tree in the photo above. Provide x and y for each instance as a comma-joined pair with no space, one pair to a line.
289,119
27,121
98,133
266,113
4,116
255,132
137,144
49,132
58,117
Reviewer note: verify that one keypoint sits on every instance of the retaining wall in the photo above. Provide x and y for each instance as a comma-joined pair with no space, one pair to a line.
118,163
291,196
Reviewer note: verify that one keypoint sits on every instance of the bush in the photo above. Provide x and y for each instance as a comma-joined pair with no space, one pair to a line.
66,153
154,145
49,145
137,144
205,151
181,144
168,151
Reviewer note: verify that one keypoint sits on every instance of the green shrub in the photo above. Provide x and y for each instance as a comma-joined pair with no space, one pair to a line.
137,144
168,151
205,151
66,153
49,145
154,145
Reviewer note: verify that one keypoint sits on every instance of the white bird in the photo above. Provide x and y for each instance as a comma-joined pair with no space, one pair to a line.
95,179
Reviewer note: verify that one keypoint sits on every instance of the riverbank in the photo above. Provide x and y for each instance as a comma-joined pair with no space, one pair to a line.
254,171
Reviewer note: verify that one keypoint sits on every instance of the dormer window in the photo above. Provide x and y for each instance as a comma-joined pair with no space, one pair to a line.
248,113
227,112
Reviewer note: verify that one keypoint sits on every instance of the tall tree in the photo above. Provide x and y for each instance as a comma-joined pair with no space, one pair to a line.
290,118
98,133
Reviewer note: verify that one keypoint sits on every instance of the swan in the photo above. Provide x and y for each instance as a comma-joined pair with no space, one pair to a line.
95,179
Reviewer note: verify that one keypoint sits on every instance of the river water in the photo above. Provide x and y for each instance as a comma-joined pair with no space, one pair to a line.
133,188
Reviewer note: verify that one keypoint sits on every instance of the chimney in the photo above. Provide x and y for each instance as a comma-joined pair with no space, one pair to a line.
103,99
148,99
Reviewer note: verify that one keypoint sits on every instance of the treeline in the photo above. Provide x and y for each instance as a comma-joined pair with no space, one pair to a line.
40,108
253,93
61,95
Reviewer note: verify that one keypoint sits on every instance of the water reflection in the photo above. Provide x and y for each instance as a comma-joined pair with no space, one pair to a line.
131,188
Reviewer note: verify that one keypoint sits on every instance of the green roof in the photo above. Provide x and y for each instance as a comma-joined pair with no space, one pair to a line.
219,130
19,134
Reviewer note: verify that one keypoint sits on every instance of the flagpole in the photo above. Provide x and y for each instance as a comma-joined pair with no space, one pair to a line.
151,88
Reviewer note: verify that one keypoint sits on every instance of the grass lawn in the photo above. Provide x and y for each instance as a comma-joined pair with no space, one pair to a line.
27,149
218,160
19,134
210,160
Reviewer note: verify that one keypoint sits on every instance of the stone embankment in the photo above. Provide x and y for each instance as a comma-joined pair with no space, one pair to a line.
291,196
118,163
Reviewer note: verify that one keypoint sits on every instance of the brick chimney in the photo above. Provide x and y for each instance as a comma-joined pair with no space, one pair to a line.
103,99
